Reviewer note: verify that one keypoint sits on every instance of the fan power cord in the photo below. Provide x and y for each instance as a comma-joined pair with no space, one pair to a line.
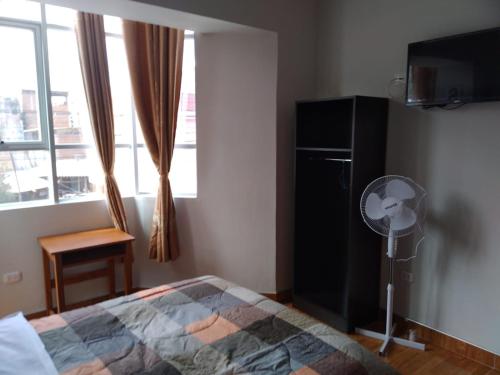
413,256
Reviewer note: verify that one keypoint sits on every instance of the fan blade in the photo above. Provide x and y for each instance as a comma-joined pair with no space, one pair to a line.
404,220
373,207
399,189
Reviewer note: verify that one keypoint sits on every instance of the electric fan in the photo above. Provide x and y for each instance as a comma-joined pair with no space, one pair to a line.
393,206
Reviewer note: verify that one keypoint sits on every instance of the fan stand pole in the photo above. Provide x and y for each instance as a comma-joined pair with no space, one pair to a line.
389,327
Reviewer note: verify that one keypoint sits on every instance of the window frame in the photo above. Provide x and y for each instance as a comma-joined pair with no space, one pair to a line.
43,143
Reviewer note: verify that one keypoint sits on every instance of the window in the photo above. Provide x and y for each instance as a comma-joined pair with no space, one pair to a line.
24,165
44,158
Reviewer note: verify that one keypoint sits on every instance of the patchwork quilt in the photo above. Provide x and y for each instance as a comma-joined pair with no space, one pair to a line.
200,326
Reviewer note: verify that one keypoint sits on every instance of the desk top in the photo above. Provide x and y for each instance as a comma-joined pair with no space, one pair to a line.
83,240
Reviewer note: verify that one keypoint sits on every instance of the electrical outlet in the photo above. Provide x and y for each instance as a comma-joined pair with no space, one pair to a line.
407,276
12,277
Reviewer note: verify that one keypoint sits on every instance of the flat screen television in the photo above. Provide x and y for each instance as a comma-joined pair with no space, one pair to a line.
458,69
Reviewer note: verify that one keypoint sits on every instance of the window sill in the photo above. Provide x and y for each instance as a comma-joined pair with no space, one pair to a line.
153,195
24,205
46,203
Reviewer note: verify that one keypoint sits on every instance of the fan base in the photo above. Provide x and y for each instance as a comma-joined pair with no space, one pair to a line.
388,340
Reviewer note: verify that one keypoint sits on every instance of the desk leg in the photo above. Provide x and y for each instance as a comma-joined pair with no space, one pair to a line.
111,277
58,275
127,267
46,277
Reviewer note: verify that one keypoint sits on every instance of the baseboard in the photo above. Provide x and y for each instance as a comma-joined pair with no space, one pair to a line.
283,297
442,340
455,345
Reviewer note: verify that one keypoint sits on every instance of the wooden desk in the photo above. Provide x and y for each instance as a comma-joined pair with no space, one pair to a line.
67,250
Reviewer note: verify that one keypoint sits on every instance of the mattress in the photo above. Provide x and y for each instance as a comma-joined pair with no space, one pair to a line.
199,326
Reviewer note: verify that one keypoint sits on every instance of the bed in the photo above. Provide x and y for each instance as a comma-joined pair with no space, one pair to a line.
199,326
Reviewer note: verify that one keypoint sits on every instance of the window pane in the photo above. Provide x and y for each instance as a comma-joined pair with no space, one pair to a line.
183,172
69,106
20,9
60,16
124,171
113,25
148,175
24,176
186,121
79,173
19,104
121,91
138,131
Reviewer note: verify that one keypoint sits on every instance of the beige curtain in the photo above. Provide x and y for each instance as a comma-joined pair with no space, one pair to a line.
94,63
154,56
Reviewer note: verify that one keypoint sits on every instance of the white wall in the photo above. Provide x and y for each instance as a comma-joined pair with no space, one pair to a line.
453,154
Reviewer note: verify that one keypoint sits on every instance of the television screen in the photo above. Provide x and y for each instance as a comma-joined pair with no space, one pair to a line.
459,69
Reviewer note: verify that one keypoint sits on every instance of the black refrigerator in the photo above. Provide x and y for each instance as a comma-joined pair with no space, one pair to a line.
340,149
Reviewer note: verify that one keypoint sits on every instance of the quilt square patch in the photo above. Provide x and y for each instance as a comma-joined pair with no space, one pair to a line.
270,360
305,371
220,302
239,345
72,353
306,349
338,363
138,359
200,290
48,323
244,315
144,320
272,330
211,329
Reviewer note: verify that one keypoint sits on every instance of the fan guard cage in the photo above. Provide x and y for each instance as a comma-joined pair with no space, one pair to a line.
417,204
